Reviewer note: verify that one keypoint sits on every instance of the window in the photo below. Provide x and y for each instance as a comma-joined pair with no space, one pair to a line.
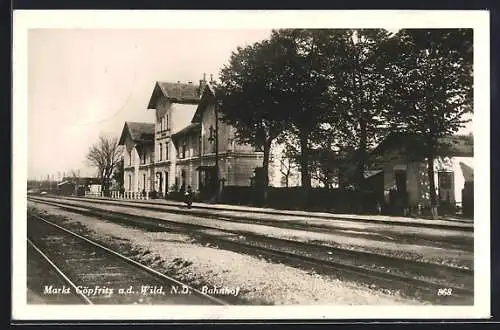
162,121
144,181
166,122
184,150
445,179
166,151
129,182
161,151
130,158
143,158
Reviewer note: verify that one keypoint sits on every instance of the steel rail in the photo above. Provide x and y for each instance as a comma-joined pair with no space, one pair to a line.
139,265
61,273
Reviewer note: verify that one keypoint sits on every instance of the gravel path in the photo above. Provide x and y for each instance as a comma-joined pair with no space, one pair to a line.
447,256
260,282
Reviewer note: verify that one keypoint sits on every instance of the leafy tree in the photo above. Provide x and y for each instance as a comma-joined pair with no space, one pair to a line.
432,89
249,97
358,90
336,77
105,156
304,88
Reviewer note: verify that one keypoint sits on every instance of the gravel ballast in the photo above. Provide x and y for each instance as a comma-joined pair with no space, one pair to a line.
259,281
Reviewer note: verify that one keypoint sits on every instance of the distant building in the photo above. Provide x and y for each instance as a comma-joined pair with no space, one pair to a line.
66,188
283,171
85,184
405,178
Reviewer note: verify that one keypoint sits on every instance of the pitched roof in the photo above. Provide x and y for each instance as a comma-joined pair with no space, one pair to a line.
207,94
460,145
186,130
175,92
138,132
453,145
63,183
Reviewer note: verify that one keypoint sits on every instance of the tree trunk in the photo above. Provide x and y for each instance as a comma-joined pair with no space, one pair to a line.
265,169
103,184
432,186
304,167
106,186
360,170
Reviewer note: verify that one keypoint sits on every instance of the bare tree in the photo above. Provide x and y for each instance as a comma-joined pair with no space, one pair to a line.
105,155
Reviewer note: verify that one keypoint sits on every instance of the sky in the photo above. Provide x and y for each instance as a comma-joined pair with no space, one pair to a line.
87,82
83,83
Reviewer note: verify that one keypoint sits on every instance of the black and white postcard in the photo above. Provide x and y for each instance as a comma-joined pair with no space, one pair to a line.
251,165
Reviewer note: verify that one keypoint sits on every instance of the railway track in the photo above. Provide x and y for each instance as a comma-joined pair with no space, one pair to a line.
96,274
462,243
408,277
465,225
356,254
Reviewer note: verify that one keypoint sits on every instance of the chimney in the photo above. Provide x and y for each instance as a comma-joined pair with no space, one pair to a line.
203,82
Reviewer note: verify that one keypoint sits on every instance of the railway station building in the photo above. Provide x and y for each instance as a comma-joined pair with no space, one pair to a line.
180,149
137,140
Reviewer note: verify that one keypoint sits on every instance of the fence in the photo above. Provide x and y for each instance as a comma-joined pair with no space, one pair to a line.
320,199
122,195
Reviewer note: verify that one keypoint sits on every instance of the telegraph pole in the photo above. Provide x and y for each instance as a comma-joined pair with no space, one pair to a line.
217,175
217,152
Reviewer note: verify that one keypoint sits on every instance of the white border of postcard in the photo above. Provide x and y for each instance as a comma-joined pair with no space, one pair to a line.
478,20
